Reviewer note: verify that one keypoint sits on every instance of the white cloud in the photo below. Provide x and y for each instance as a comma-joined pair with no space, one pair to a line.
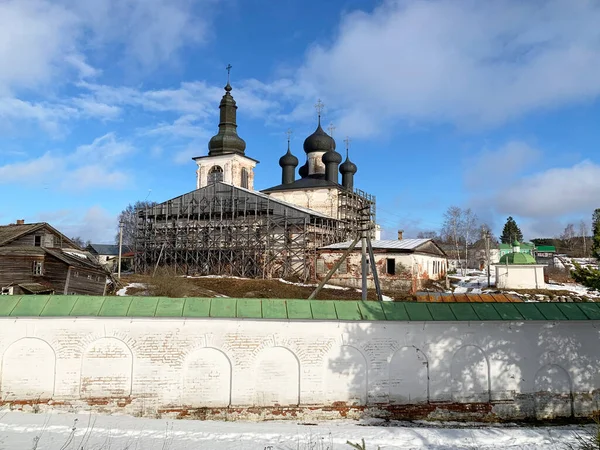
501,165
89,166
34,37
467,62
32,171
95,223
552,193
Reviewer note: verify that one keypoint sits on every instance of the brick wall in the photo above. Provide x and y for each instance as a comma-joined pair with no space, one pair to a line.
239,369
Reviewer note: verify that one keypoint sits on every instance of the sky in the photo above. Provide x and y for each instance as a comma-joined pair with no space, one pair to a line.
492,106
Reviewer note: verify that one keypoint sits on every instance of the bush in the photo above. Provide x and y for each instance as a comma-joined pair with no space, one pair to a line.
166,283
559,274
589,440
587,276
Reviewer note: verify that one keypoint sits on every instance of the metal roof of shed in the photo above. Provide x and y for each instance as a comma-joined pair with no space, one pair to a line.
246,308
404,244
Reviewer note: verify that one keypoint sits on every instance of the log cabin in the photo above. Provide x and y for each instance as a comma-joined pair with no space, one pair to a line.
36,258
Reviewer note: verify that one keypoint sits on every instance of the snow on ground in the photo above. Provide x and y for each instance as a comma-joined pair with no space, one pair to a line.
123,291
19,431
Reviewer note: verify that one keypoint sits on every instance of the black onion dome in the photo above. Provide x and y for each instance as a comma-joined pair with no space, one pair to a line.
303,171
348,167
319,141
331,156
288,160
226,140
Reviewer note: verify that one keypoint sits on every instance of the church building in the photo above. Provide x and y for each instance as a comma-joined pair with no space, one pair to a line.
227,227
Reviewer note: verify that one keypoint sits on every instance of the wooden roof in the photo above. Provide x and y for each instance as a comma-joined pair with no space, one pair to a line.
9,233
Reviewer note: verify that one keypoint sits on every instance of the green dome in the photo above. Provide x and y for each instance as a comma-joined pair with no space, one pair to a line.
517,258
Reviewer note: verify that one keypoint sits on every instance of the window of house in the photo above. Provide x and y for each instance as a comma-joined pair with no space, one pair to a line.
215,174
89,277
320,266
245,178
343,267
37,241
76,274
38,268
391,266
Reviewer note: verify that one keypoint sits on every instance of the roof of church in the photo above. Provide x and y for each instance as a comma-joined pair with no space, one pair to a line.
309,182
518,259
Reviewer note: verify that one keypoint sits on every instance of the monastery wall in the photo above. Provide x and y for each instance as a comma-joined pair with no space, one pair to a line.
256,369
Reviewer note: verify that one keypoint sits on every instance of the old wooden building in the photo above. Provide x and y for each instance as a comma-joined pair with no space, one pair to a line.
36,258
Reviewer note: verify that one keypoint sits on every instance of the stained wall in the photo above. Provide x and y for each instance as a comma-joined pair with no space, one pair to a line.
253,369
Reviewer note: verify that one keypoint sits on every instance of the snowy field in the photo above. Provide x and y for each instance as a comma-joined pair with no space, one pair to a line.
20,431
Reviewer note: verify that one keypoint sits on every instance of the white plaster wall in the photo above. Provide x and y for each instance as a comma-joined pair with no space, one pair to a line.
520,276
411,269
232,165
531,368
324,201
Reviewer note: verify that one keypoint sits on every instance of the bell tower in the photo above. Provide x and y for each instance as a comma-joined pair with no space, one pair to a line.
226,161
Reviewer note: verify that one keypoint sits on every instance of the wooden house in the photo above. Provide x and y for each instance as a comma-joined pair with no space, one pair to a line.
37,259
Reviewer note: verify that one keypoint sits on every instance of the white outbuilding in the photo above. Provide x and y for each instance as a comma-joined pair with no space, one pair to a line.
518,270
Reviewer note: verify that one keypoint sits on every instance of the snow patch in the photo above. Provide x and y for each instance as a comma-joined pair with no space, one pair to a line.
18,430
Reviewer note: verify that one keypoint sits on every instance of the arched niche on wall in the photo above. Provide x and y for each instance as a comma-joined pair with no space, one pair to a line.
207,379
470,375
553,392
345,377
106,369
409,376
28,370
277,379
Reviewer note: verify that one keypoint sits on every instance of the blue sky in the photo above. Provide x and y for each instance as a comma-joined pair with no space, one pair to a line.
488,105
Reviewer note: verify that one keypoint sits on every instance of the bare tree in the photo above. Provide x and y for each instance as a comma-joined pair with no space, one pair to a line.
452,230
568,237
469,231
128,217
583,231
427,235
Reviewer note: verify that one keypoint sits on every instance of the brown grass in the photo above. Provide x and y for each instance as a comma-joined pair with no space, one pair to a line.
168,285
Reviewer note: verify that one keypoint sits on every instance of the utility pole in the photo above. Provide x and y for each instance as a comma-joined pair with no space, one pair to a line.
120,248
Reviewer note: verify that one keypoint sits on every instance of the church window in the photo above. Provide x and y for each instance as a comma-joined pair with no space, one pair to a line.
215,174
245,178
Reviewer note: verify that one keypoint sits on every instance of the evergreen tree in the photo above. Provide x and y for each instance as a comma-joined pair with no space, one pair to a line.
511,232
596,233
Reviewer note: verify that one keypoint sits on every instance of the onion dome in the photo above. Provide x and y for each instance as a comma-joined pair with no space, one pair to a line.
319,141
303,171
348,167
331,156
227,140
288,160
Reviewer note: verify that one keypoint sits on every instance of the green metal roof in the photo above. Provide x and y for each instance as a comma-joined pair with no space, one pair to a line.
249,308
546,248
517,258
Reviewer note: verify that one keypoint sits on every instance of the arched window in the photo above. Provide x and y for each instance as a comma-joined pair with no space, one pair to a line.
245,178
215,174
